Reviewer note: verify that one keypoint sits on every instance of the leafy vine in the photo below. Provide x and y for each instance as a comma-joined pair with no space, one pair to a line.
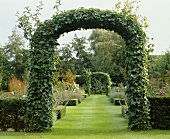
43,43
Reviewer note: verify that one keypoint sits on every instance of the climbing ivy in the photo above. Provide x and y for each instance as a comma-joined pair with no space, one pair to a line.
43,43
106,81
88,82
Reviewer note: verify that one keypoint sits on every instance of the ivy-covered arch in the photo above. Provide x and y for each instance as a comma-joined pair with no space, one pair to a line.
104,76
43,43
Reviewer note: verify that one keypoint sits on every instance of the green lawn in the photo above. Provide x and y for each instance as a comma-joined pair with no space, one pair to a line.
94,118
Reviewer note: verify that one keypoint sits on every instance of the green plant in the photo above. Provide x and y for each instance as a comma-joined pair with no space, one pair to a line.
99,81
43,42
120,95
12,112
159,112
17,85
155,90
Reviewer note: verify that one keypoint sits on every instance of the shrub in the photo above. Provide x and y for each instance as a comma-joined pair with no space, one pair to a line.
12,112
117,95
16,85
155,90
61,95
160,112
71,102
59,112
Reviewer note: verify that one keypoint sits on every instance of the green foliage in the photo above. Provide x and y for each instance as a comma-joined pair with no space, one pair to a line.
124,111
109,53
71,102
29,22
159,112
160,68
100,82
12,112
75,56
43,42
60,111
14,59
88,82
95,118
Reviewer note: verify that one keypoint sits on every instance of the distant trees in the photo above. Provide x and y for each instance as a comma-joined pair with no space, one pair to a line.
109,53
103,51
13,59
160,68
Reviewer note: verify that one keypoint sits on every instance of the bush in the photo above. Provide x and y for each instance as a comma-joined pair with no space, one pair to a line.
59,112
160,112
12,112
124,111
16,85
117,95
117,92
71,102
62,96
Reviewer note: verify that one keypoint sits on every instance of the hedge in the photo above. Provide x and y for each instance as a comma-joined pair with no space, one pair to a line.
59,112
160,112
71,102
12,114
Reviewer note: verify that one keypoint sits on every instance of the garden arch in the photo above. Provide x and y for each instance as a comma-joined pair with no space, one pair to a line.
43,43
104,76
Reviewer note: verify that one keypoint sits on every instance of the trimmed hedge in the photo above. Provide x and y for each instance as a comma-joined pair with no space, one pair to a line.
71,102
12,114
13,111
160,112
124,111
118,101
59,112
85,95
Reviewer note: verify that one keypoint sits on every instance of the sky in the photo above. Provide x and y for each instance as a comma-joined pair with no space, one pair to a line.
156,11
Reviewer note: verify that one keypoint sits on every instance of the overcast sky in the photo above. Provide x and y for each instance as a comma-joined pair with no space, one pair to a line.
156,11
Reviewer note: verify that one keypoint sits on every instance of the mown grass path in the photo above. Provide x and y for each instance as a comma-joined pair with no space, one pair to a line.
94,118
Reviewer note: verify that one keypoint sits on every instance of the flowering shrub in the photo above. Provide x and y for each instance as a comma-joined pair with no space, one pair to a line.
117,92
13,95
155,90
17,85
63,93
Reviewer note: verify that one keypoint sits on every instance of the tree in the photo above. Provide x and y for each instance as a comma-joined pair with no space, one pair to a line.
75,56
3,69
14,58
109,57
66,59
82,54
160,68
